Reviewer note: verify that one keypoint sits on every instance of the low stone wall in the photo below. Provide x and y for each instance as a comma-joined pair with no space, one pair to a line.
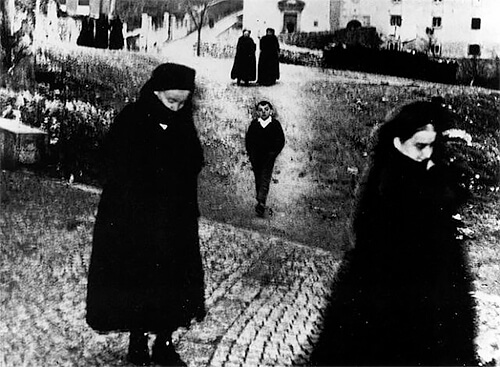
287,56
301,57
217,50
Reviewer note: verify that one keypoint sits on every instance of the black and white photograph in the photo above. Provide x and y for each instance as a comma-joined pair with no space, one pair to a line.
249,183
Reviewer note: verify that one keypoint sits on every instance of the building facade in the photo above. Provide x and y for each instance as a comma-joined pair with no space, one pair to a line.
454,28
447,28
286,16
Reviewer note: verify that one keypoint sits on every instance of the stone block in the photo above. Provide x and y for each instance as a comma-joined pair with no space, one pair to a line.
20,144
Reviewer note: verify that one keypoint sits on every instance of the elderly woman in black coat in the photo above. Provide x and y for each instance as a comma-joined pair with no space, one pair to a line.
146,272
244,66
403,295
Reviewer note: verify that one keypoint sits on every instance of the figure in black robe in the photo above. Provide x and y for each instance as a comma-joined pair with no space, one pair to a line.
116,41
86,36
269,69
146,270
403,294
244,66
102,32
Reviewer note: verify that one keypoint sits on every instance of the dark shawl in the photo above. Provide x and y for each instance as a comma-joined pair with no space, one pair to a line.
269,70
244,66
402,297
146,270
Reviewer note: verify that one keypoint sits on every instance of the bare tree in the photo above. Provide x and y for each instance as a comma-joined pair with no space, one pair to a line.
7,10
198,11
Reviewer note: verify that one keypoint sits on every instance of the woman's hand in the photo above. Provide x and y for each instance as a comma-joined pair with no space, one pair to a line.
430,163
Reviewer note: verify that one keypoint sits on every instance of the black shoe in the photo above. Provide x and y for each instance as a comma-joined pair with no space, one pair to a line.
138,351
164,354
260,209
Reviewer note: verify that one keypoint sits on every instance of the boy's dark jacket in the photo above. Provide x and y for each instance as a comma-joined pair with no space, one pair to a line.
145,270
264,143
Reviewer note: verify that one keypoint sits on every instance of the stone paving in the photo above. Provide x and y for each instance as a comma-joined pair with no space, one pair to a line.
264,296
264,300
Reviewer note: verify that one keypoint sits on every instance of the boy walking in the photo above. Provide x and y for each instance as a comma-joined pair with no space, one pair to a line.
264,141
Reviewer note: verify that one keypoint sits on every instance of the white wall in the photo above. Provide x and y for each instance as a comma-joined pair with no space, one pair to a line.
455,34
315,11
261,14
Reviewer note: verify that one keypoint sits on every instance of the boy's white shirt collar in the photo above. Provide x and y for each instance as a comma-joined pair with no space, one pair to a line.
265,122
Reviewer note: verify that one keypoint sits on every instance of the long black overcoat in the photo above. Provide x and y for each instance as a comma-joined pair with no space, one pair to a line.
244,66
402,297
268,70
146,270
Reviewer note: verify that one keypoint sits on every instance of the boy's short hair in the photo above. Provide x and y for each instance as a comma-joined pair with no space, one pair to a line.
264,103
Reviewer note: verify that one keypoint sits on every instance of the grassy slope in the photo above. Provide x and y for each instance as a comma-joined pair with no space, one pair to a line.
327,121
327,116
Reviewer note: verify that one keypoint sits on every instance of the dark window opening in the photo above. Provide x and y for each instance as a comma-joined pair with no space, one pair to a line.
436,22
290,22
476,23
396,20
474,50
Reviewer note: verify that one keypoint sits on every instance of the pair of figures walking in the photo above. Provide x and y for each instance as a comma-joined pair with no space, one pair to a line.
244,67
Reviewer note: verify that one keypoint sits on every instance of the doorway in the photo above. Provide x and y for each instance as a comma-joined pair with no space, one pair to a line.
290,23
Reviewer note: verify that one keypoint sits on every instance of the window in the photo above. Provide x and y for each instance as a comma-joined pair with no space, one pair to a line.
315,23
474,50
396,1
436,50
438,1
476,23
436,22
83,2
396,20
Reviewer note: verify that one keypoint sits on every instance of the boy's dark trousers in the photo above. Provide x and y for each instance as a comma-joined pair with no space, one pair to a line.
263,171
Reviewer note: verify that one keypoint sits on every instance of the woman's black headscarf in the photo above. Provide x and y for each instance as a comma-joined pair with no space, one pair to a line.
168,76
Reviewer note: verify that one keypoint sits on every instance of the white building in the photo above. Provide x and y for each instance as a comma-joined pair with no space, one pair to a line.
286,16
457,28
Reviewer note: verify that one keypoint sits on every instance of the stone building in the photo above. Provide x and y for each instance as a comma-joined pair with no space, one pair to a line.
448,28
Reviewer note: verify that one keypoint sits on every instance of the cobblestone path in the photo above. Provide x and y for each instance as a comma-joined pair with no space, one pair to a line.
264,300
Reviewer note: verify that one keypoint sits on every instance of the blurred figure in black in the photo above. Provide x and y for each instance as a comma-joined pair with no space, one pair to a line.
269,69
86,36
403,295
116,41
244,67
146,273
102,32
